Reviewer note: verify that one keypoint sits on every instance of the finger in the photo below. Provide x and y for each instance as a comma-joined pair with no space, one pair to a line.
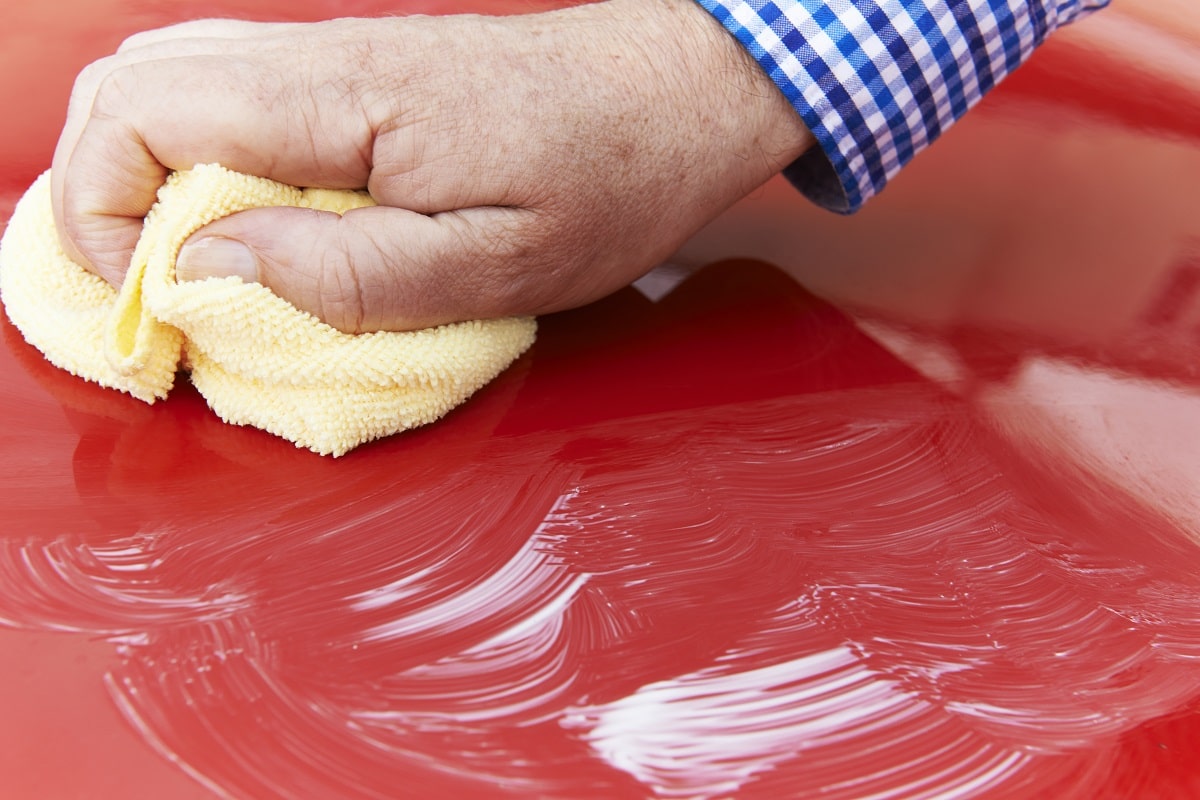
79,112
102,199
225,29
380,268
154,116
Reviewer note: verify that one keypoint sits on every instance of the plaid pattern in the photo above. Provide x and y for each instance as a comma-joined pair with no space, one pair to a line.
876,81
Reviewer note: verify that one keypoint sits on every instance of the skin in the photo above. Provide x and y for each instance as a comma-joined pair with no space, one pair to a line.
522,164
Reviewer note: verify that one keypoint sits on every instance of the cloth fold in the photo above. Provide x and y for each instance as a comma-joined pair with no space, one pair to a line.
254,357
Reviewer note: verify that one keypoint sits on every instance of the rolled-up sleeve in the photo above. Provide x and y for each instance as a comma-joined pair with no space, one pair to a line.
876,81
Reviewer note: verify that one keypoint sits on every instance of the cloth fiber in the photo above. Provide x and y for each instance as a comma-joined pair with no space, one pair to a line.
254,357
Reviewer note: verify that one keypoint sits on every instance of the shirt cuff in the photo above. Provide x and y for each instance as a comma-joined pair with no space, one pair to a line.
876,81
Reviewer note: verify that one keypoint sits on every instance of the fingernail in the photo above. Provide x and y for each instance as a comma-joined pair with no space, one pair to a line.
216,257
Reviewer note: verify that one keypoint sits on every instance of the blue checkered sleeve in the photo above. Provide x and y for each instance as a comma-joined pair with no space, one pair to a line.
876,81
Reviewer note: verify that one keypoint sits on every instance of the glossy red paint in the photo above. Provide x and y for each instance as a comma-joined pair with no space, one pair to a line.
729,541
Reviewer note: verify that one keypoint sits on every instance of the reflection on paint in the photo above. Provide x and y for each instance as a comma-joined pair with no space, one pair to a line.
773,564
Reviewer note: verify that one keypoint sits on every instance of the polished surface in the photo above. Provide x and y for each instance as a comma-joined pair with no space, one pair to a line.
711,537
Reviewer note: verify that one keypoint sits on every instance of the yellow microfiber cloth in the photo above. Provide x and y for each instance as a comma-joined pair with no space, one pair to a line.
256,358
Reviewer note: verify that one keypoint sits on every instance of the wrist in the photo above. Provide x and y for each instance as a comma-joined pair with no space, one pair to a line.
713,71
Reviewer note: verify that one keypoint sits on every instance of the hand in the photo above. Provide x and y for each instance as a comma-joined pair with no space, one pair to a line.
521,164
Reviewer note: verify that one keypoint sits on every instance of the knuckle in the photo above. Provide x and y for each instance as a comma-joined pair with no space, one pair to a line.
180,30
340,290
106,86
89,79
114,90
138,40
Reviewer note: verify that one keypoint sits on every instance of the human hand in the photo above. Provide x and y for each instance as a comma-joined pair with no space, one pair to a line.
521,164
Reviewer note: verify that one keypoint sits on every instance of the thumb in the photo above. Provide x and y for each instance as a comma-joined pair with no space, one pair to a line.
375,268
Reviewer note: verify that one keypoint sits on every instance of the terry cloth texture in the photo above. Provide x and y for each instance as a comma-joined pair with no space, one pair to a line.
255,358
